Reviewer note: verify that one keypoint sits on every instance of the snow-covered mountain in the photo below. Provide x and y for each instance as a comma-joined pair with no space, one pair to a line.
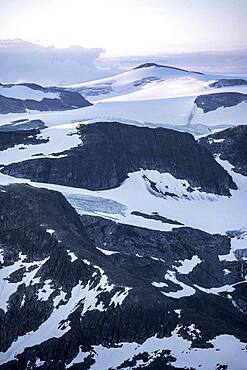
123,237
154,96
154,81
136,84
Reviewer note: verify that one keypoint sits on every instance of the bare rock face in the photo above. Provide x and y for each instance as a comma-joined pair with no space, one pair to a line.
8,139
60,280
211,102
110,151
230,145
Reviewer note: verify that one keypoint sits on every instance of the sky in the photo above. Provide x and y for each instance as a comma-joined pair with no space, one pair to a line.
70,41
127,27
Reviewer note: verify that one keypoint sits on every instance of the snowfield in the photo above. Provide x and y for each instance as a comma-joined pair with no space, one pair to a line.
176,113
204,211
154,97
150,83
59,138
24,92
227,350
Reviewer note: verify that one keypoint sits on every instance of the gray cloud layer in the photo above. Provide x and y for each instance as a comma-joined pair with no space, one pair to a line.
232,62
22,61
25,61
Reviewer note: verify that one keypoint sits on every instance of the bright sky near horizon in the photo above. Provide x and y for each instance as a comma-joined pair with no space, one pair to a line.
127,27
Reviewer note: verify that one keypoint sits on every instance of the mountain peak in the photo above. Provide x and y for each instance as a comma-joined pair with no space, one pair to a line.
147,65
151,64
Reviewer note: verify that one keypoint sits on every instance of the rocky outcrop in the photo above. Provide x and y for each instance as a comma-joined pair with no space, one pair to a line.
110,151
155,216
231,145
225,82
8,139
23,124
10,105
179,244
211,102
65,100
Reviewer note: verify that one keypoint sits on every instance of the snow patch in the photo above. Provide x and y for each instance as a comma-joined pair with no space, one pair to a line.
188,265
106,252
72,255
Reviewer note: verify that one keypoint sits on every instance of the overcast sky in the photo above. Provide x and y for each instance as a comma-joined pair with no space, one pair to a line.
70,41
128,27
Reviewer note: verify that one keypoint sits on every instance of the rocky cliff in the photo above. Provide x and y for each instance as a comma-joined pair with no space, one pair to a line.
110,150
230,145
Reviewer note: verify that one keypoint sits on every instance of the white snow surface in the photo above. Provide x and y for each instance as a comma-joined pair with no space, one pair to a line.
52,327
227,350
186,290
177,113
107,252
46,290
1,255
159,285
61,138
50,231
154,96
151,83
188,265
204,211
8,288
78,359
72,255
24,92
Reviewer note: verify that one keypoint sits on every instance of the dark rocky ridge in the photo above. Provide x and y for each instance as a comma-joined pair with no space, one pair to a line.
23,124
66,100
111,150
9,139
155,216
211,102
231,147
224,82
150,64
178,244
27,212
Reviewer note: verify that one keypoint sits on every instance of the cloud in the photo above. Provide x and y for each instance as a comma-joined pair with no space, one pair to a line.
230,62
23,61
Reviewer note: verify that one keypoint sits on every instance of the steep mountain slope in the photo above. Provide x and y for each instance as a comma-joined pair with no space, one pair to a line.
231,145
67,299
109,151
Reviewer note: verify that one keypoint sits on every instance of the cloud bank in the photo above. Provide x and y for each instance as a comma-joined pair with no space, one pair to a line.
230,62
23,61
